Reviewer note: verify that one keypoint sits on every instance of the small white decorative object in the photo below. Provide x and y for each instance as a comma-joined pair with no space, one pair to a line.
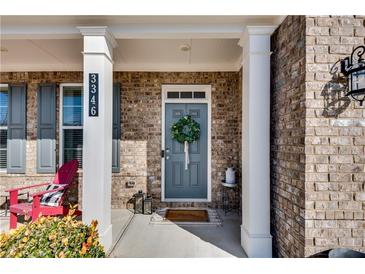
230,175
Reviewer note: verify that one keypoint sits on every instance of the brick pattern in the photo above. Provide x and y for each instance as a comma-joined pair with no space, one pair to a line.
141,122
317,151
334,141
287,137
141,129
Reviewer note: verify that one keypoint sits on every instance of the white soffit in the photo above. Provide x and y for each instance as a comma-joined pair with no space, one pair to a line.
41,55
130,55
166,55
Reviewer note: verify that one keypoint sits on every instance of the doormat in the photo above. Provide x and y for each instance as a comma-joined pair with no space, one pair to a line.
186,216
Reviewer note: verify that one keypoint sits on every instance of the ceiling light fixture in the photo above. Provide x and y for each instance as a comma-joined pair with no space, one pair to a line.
185,47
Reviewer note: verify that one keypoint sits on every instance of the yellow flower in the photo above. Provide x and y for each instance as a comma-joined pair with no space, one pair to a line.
3,237
65,241
83,249
94,223
61,255
52,237
25,239
89,241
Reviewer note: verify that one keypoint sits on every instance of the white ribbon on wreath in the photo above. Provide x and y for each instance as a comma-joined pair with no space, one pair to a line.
186,151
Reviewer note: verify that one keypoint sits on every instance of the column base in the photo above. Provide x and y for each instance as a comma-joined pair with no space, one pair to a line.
106,239
256,245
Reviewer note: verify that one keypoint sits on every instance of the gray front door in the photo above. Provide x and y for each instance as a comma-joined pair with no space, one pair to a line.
179,182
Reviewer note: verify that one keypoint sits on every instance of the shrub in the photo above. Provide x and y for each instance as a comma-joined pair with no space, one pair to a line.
52,237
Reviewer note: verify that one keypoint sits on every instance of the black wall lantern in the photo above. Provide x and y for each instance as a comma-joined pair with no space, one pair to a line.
353,68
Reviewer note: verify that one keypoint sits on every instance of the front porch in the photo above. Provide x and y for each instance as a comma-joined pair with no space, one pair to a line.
122,145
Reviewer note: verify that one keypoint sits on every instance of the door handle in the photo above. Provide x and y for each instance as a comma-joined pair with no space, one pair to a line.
164,153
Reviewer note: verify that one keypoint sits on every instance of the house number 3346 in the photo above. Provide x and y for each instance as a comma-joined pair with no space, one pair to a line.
93,94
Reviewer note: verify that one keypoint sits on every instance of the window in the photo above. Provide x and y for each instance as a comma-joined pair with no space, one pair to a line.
199,94
173,94
185,95
3,125
71,123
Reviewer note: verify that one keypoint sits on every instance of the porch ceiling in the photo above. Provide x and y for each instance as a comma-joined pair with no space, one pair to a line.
130,55
145,43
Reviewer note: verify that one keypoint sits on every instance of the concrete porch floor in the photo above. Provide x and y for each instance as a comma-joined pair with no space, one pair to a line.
135,237
144,240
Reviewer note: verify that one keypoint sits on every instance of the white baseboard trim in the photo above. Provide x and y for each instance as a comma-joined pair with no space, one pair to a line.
106,238
256,245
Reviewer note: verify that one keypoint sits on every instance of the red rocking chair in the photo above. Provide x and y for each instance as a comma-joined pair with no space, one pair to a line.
45,203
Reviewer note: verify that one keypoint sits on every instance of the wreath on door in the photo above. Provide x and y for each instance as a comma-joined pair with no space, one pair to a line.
186,129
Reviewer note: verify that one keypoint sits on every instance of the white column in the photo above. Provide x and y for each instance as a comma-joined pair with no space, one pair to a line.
97,139
255,228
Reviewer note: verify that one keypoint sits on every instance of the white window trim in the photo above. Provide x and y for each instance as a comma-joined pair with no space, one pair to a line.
4,170
207,100
61,126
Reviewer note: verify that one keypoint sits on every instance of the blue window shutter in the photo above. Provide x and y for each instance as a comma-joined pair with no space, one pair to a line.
46,133
116,129
17,128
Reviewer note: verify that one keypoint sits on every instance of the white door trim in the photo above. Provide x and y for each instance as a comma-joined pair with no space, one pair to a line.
207,100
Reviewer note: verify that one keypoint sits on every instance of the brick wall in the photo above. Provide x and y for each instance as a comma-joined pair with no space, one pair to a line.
32,79
141,122
317,138
287,137
335,139
141,129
